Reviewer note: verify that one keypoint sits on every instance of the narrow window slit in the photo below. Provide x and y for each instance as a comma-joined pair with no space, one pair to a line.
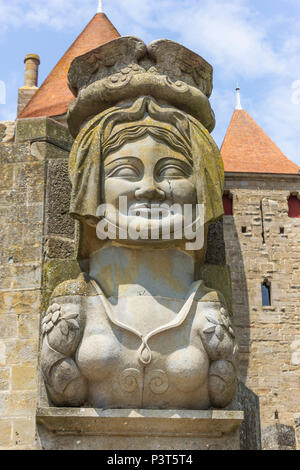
266,294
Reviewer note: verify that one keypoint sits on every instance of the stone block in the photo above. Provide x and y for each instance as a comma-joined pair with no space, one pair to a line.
23,378
19,351
278,437
28,325
297,430
46,151
5,433
250,433
5,373
13,153
95,429
8,326
2,353
215,253
29,179
23,432
26,276
7,176
2,131
43,129
20,302
19,404
58,220
59,248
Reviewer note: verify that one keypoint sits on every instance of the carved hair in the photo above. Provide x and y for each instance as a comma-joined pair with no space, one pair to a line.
114,127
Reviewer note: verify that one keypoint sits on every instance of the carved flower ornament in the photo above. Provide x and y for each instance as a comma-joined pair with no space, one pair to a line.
218,325
54,317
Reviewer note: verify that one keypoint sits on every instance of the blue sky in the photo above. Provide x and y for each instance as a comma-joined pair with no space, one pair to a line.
253,42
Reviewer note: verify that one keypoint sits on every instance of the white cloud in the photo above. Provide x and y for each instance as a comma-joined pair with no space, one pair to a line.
56,14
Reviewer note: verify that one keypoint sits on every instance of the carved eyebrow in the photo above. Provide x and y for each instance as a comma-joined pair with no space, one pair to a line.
175,162
119,160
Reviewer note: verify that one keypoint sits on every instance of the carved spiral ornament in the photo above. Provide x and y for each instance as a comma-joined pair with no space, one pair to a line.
129,380
159,382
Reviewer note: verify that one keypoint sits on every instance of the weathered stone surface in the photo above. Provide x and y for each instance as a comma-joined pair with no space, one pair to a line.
25,302
58,220
6,131
177,346
46,151
24,378
21,351
18,404
250,433
28,325
215,253
43,129
164,70
2,131
297,431
278,437
138,429
13,153
218,277
24,96
5,433
59,248
5,374
267,336
24,433
56,272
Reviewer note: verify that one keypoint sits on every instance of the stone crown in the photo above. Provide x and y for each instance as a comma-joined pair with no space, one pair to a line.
125,69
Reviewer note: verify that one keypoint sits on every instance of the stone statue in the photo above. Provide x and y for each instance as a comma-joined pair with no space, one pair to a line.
138,328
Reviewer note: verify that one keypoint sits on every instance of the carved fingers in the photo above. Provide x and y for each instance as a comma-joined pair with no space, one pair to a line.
62,331
217,335
63,327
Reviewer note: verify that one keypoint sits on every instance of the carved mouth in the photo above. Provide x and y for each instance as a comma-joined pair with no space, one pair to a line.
153,211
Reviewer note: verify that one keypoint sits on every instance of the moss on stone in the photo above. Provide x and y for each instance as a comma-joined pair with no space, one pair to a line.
218,277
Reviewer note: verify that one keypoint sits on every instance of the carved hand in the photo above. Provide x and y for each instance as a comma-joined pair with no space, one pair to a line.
62,330
219,341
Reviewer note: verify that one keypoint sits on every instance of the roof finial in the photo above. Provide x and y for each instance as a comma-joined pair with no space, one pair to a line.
100,9
238,99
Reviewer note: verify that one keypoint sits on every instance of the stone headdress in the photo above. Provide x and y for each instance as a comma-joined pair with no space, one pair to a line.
127,88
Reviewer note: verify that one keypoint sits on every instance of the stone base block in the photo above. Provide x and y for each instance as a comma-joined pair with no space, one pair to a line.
98,429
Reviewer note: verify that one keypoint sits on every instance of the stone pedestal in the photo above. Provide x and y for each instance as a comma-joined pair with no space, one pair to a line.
98,429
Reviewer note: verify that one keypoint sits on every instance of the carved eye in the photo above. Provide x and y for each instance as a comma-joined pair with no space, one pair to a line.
173,171
125,172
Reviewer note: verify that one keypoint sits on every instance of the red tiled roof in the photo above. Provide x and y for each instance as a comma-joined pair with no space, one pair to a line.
248,149
54,97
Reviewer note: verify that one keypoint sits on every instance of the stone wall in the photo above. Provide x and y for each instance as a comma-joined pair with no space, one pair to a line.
268,336
39,145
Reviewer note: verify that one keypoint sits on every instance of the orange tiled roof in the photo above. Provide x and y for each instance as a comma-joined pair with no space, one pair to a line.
248,149
54,97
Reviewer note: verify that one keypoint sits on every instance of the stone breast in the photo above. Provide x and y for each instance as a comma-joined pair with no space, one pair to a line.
109,355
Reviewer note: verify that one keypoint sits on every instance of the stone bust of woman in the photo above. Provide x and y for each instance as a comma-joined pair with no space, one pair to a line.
138,329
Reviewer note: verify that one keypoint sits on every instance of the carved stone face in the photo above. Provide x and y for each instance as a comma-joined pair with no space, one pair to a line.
149,172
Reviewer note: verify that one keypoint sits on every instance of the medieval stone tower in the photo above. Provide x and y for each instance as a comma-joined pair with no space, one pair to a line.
261,239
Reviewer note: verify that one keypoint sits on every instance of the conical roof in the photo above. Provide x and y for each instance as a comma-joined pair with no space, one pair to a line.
54,97
248,149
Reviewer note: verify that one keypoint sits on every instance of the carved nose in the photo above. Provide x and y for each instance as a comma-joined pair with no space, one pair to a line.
150,192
